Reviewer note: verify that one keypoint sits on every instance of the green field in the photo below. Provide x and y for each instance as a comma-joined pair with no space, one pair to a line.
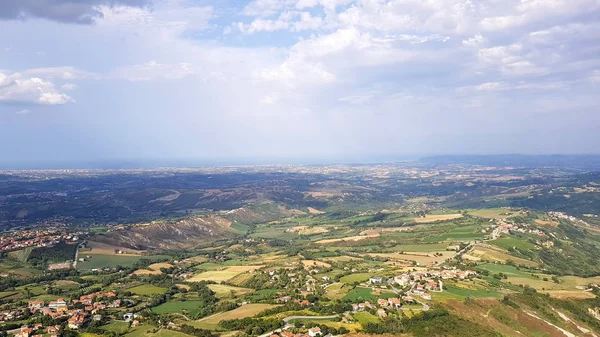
147,290
113,261
118,327
188,308
360,294
467,233
224,291
364,317
452,292
510,242
358,277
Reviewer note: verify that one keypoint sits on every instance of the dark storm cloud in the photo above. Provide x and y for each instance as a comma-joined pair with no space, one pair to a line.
70,11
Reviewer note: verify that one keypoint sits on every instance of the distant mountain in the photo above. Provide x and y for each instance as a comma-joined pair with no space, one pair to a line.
582,162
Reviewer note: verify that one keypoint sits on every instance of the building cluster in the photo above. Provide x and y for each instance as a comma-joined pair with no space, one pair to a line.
312,332
35,238
11,315
38,330
78,311
521,228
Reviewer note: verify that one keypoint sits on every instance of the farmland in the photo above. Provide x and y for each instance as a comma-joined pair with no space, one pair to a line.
452,247
247,310
191,308
147,290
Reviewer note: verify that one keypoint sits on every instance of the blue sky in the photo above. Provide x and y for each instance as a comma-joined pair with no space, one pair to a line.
93,80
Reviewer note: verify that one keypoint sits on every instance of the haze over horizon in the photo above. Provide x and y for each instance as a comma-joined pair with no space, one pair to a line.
296,80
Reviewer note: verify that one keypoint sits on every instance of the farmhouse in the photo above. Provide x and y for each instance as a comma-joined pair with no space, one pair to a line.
313,332
375,280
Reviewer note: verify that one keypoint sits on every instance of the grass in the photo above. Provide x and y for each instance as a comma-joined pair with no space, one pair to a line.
244,311
510,242
224,291
364,317
460,293
113,261
118,327
361,294
426,248
337,291
358,277
147,290
492,213
437,217
191,308
222,275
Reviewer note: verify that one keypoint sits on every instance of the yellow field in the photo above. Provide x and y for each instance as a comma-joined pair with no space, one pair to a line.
344,258
241,279
546,222
146,272
419,257
222,290
244,311
437,217
314,264
567,285
153,269
222,275
350,238
337,291
575,294
484,253
106,249
314,211
158,266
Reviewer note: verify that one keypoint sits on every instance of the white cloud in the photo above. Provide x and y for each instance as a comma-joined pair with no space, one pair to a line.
16,88
63,73
23,112
474,41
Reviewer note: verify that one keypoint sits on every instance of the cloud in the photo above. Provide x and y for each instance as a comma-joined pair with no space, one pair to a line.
153,70
23,112
16,88
63,73
70,11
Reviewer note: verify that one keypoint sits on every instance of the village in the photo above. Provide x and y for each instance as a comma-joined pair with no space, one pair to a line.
44,237
78,312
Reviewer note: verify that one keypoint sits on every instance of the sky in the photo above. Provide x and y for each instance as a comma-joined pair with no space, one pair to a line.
294,80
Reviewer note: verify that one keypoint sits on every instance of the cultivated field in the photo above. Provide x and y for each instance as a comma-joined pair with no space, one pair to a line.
224,274
223,290
244,311
147,290
437,217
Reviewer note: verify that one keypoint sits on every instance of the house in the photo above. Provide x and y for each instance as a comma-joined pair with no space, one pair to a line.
394,302
382,302
364,305
313,332
53,329
375,280
25,331
426,296
75,322
408,299
431,285
419,290
35,305
381,313
58,304
127,317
